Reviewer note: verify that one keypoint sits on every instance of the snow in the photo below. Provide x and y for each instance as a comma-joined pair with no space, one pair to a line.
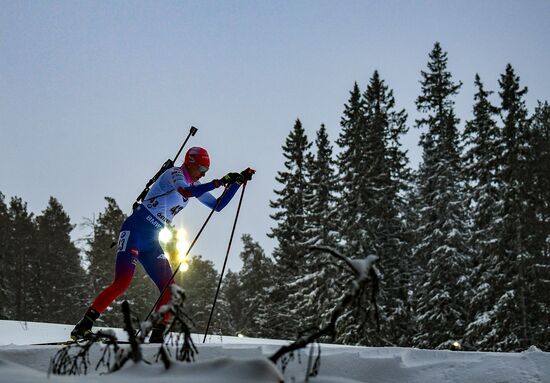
232,359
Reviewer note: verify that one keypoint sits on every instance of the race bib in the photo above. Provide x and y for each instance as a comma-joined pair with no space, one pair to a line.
123,240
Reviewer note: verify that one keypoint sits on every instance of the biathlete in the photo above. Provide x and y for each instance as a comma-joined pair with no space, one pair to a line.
138,237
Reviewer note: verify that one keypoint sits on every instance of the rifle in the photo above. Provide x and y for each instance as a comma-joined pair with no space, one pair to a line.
168,164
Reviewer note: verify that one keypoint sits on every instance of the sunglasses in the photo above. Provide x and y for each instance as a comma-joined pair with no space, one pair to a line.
202,169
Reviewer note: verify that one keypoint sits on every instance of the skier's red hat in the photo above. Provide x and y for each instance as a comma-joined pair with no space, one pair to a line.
197,156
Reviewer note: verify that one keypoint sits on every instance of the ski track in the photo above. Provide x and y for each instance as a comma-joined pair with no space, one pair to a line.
229,359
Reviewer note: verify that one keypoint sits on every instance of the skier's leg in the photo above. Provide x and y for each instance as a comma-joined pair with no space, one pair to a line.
158,268
124,271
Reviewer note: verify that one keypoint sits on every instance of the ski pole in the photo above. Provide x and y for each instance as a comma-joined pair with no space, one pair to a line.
192,132
224,262
186,254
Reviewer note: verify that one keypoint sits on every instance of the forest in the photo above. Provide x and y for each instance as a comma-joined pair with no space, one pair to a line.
463,241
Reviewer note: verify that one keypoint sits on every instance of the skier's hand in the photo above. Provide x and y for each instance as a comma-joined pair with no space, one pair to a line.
248,173
231,178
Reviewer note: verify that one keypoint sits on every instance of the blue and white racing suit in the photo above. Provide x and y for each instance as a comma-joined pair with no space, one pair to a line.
138,237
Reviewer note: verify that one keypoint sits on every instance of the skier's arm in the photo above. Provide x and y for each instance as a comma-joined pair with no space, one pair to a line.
211,201
198,190
234,180
177,179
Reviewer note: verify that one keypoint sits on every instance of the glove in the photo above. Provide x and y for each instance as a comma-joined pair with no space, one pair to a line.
248,173
231,178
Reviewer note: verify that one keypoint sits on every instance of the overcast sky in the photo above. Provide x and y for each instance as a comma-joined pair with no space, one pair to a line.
96,95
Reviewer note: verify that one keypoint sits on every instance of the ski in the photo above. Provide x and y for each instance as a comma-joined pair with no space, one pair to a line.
80,341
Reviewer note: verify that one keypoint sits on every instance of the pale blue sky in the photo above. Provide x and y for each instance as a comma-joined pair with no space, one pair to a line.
96,95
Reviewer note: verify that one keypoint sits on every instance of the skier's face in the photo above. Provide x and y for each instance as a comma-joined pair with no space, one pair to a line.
196,171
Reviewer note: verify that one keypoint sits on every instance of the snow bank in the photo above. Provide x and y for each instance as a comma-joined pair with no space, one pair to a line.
230,359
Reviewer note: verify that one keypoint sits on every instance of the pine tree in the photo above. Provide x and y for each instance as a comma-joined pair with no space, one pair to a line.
289,232
386,182
375,197
199,283
5,309
20,250
539,164
6,292
256,281
352,165
351,204
58,266
316,288
320,196
442,233
516,244
482,162
231,305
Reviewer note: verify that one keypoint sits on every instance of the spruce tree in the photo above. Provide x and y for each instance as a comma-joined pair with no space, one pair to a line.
375,197
386,182
21,250
289,232
482,162
441,236
231,305
351,166
317,287
199,283
57,264
516,244
6,291
539,164
320,196
256,280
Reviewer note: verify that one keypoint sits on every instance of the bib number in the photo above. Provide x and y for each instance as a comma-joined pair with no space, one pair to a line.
123,240
176,209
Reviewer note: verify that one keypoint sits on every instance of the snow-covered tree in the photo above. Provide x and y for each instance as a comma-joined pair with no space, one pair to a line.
540,168
199,283
482,163
351,167
386,181
256,282
230,305
317,286
20,250
58,265
290,216
372,185
516,244
441,236
5,290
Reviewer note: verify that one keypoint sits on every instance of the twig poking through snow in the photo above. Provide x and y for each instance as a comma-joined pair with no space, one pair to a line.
363,272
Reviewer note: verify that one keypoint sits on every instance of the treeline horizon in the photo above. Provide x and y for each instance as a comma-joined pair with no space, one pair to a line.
463,241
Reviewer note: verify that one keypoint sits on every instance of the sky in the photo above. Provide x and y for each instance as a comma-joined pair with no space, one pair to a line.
96,95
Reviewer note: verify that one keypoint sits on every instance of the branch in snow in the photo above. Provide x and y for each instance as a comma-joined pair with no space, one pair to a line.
65,363
363,272
179,331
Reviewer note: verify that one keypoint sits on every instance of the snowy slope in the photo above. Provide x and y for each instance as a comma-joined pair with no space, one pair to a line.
230,359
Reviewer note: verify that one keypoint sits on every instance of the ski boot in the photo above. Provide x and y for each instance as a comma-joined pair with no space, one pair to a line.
83,329
157,334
